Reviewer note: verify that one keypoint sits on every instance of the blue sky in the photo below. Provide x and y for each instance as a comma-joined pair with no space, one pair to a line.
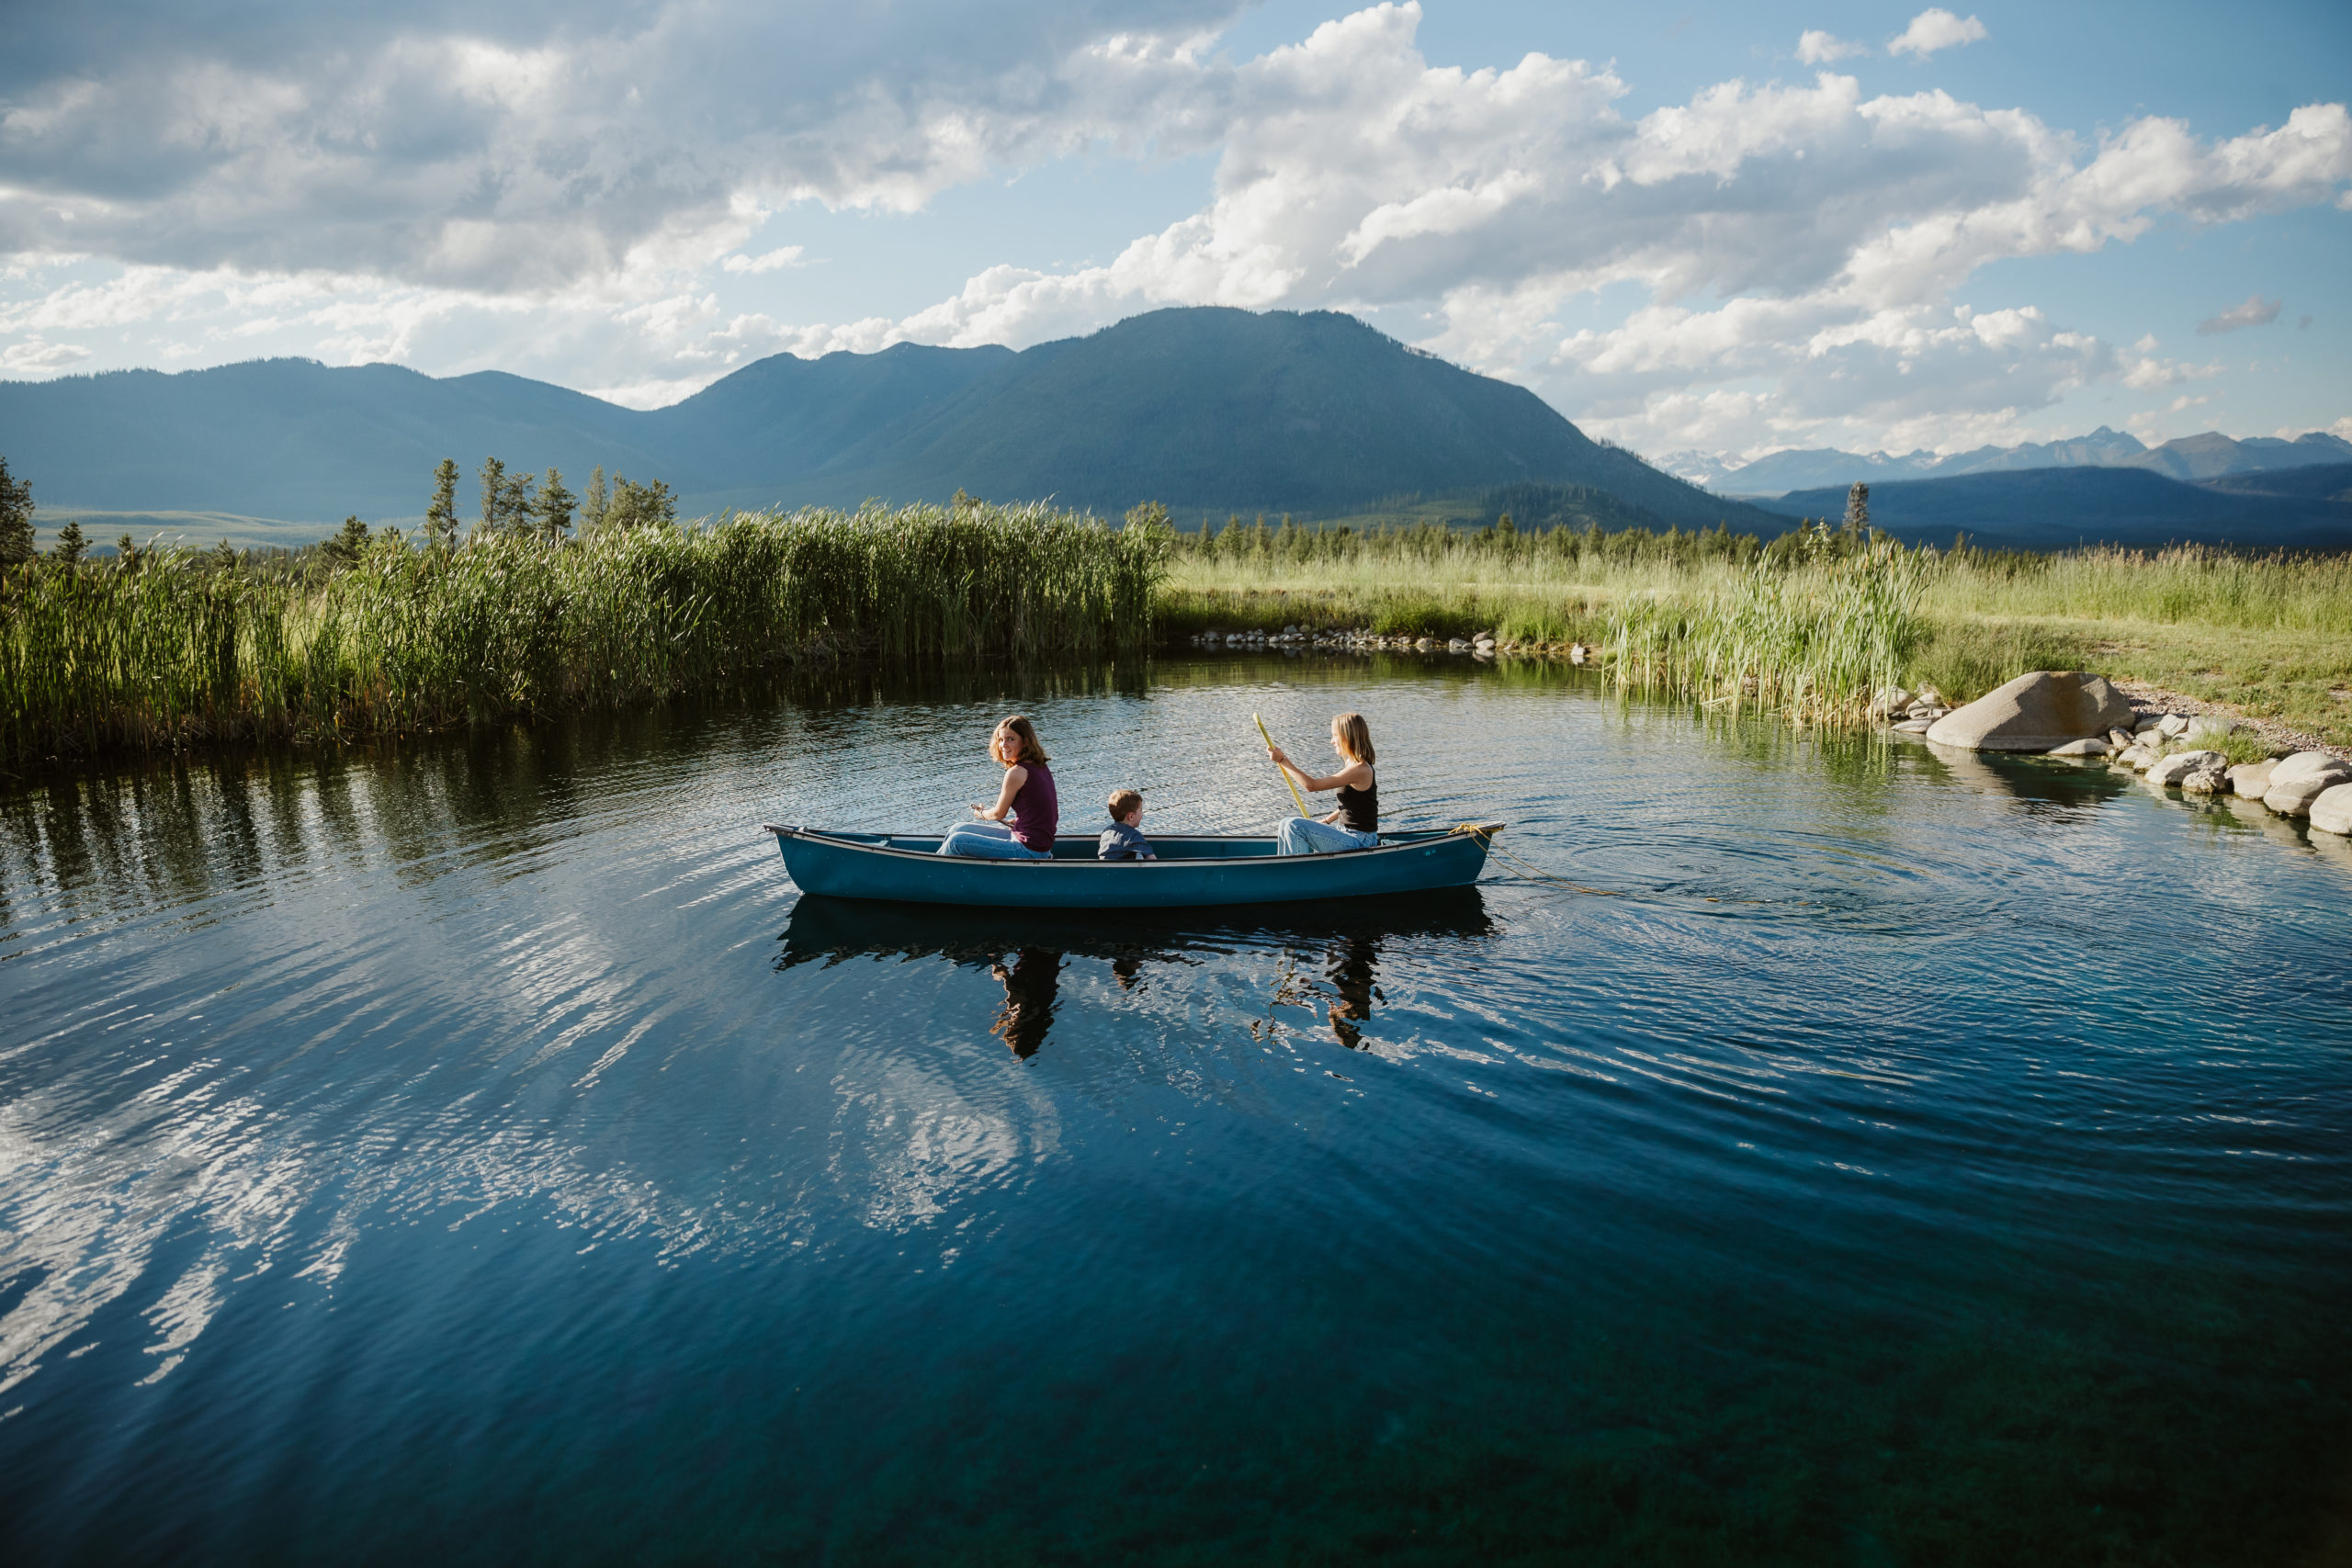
1709,228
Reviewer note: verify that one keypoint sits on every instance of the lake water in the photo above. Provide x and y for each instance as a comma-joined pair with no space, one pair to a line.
473,1150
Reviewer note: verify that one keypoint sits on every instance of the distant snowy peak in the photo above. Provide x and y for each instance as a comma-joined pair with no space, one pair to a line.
1704,468
2189,458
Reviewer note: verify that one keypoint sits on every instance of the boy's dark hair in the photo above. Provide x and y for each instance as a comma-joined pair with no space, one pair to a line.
1121,802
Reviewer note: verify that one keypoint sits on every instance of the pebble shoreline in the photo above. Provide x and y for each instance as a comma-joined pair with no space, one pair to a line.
1483,646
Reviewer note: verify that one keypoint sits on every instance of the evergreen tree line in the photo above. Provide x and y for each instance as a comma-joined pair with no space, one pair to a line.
1429,541
545,507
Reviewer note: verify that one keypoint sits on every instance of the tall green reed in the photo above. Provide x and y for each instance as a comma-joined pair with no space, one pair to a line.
176,650
1812,641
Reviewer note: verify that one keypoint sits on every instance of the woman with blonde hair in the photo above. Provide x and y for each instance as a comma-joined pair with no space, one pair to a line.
1027,798
1354,824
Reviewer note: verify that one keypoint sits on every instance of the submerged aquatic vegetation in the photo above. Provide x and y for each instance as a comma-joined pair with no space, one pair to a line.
175,646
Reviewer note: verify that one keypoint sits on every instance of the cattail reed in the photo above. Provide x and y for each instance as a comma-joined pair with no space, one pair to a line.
106,656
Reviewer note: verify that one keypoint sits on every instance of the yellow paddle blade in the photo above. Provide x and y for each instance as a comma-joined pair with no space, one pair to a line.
1295,799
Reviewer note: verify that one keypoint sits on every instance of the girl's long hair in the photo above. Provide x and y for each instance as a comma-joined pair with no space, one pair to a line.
1352,736
1024,734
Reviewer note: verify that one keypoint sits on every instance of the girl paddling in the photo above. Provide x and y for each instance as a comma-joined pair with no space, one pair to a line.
1027,799
1355,824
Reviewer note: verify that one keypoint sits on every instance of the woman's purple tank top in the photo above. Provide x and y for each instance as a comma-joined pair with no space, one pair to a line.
1036,811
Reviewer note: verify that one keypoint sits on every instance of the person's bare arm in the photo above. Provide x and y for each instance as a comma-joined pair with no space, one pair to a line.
1013,779
1355,775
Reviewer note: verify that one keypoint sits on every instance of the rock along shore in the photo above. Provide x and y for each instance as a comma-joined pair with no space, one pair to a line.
1483,645
2085,716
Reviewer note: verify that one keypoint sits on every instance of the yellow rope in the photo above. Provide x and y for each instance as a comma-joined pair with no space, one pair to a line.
1296,799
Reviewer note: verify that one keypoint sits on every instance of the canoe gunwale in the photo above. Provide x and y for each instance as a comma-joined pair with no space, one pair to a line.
1421,839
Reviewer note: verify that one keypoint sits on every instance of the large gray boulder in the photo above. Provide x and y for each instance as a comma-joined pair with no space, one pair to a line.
2035,713
2206,778
2303,764
2181,764
2252,780
2303,779
2332,812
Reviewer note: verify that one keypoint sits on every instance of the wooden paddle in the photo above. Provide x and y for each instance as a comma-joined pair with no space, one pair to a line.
1296,799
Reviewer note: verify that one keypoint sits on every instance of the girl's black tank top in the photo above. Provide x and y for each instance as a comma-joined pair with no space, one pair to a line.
1360,808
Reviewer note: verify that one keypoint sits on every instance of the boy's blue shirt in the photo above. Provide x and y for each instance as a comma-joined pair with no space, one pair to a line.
1120,841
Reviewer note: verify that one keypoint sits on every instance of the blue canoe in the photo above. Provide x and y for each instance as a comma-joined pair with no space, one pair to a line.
1193,870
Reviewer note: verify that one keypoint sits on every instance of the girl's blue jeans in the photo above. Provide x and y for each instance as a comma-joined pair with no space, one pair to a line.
1305,835
986,841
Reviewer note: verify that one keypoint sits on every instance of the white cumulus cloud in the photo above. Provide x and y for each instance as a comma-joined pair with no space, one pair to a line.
1936,29
1781,262
2256,312
1815,46
784,256
36,357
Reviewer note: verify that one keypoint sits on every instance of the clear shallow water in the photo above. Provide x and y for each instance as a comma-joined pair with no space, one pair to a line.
475,1150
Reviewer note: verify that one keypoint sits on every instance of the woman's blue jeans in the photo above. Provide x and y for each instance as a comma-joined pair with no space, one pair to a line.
1306,836
986,841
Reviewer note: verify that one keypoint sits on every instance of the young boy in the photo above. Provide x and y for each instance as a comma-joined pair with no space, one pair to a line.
1123,840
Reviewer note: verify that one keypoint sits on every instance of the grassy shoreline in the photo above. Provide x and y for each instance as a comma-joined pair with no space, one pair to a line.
173,650
2271,636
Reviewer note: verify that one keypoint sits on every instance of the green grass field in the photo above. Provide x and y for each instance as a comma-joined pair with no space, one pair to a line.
2270,635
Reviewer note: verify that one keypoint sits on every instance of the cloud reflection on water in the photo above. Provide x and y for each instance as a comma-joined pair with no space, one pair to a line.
269,1011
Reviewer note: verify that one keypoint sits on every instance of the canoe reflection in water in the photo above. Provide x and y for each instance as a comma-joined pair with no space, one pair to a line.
1028,950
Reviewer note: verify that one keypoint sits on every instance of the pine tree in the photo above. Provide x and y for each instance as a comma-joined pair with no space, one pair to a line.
71,546
553,510
1858,509
640,506
16,519
595,503
441,517
225,555
126,553
493,493
346,548
514,501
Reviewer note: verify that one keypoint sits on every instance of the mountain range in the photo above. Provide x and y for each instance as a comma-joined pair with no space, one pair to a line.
1207,409
2049,508
2189,458
1210,410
